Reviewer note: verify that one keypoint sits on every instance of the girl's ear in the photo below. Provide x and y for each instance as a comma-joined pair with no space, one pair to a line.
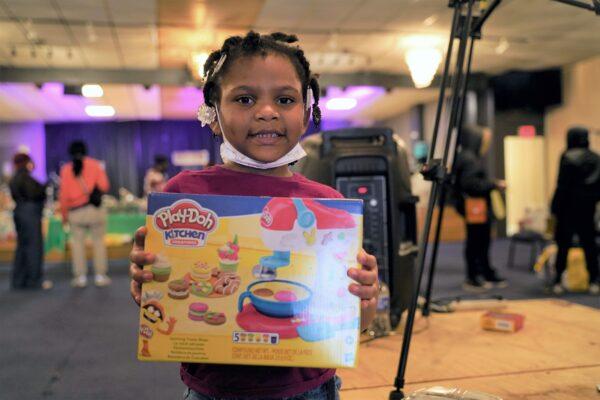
306,120
215,128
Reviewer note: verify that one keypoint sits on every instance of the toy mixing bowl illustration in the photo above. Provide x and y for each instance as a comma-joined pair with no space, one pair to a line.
277,298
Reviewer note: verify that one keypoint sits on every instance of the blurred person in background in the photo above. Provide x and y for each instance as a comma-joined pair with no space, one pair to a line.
156,176
82,183
29,196
472,200
574,205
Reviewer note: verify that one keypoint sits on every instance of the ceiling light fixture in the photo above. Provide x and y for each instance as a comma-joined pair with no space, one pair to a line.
100,111
30,33
430,20
423,63
502,46
337,61
91,33
341,103
197,64
153,34
92,90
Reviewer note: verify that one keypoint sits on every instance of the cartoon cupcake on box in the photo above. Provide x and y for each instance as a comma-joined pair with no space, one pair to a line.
161,268
228,255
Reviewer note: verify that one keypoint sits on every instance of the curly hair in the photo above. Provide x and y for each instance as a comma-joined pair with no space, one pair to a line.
253,44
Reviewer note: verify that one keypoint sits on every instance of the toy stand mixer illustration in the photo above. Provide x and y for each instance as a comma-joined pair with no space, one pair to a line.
292,309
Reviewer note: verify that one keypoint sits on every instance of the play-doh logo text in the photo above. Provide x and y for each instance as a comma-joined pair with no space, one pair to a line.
185,223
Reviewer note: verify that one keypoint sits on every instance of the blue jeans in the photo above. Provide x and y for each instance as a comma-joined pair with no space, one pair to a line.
319,393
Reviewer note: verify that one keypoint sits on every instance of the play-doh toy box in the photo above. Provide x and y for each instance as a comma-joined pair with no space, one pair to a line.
251,280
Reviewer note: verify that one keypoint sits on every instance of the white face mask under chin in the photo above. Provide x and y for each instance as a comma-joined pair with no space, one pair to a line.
230,153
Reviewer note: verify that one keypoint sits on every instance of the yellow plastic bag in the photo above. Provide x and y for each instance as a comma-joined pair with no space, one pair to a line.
497,205
576,277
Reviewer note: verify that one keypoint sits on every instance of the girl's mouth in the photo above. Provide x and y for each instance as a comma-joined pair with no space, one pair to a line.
266,134
266,137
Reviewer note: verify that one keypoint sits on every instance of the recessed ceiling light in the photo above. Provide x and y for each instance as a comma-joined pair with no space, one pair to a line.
502,46
430,20
423,62
92,90
197,64
100,111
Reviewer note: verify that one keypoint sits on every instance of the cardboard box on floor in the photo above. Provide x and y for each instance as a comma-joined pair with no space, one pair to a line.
251,280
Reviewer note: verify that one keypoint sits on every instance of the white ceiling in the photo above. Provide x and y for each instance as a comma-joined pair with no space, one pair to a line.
152,34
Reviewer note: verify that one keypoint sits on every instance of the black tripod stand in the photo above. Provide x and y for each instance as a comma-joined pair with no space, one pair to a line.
466,28
476,34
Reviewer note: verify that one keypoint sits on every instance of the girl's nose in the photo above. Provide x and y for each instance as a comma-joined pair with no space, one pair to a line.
266,112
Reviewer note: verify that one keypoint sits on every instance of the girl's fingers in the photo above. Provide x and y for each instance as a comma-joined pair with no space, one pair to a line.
136,291
363,276
364,292
140,238
364,304
141,258
368,261
138,274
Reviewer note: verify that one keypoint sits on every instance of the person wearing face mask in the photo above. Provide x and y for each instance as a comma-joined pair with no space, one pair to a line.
259,94
29,196
574,204
472,201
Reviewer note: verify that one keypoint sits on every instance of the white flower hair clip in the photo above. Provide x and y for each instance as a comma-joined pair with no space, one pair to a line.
206,114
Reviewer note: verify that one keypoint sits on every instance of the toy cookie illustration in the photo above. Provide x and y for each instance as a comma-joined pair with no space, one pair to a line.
153,316
201,272
179,289
196,311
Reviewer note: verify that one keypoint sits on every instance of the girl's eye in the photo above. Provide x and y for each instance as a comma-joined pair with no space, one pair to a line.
286,100
245,100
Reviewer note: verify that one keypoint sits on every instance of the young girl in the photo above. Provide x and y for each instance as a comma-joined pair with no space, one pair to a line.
258,94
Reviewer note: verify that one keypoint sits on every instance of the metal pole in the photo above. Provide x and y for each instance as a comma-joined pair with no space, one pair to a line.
442,203
397,394
438,113
579,4
399,381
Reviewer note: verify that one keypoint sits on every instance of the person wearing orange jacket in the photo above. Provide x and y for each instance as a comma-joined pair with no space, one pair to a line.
82,183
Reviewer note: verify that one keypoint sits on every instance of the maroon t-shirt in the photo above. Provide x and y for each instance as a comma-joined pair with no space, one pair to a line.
239,380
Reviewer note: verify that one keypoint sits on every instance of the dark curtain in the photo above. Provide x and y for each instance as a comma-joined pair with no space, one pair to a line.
127,148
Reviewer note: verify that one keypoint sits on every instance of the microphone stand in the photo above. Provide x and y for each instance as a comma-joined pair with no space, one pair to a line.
435,169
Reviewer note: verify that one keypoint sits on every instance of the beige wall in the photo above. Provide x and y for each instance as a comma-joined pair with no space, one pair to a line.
581,106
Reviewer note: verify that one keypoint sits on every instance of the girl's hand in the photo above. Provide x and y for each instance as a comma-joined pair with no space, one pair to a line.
367,286
139,258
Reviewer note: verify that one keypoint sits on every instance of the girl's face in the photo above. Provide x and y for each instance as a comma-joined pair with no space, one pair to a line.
261,107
